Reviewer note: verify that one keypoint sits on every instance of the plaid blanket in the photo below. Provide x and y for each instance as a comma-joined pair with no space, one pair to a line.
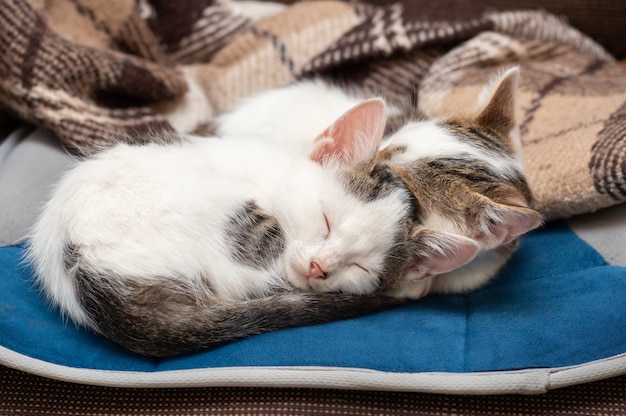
90,70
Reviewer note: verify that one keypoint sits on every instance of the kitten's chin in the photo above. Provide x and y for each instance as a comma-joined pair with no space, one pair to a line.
301,282
297,279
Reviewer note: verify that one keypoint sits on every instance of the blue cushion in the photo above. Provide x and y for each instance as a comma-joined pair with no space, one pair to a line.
557,303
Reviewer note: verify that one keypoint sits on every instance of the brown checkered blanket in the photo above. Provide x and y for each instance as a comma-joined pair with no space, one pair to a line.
92,69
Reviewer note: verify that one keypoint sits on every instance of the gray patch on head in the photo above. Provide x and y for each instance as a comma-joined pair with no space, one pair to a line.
254,237
370,182
374,181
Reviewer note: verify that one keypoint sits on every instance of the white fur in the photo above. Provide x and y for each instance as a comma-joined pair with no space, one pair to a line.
442,222
291,116
426,139
157,213
469,277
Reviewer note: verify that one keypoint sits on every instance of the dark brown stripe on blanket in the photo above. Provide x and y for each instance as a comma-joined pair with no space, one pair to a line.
608,161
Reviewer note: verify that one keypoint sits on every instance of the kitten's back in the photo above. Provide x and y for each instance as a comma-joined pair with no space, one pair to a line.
291,116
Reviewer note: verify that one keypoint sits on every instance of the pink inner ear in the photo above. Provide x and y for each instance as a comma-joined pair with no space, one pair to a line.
442,252
519,221
504,222
456,251
353,137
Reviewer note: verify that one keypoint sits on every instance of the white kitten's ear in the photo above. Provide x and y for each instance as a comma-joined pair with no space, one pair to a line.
353,137
436,252
499,104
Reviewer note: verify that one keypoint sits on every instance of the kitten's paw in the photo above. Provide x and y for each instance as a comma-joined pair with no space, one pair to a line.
413,289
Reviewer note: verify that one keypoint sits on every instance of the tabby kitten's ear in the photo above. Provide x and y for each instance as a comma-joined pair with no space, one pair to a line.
499,108
432,253
354,136
436,252
505,222
510,219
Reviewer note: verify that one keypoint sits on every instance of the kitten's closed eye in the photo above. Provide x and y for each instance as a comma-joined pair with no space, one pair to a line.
327,226
360,267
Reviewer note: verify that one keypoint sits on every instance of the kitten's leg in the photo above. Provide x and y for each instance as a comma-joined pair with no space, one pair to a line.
413,288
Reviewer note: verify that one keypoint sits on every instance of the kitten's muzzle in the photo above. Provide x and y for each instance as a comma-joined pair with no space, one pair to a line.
316,272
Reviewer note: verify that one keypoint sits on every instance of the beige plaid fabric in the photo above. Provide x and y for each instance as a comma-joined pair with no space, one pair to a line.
91,70
572,106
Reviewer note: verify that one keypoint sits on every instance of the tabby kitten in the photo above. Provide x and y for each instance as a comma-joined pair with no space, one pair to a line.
467,175
464,172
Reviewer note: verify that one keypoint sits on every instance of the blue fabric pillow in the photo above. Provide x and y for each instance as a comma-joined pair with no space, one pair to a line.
557,303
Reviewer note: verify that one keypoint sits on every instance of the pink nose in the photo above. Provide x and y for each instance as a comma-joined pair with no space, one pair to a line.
316,272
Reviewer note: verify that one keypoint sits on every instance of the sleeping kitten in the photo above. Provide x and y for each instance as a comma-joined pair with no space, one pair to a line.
465,172
167,249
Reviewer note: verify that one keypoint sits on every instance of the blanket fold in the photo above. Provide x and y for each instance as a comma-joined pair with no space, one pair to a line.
94,71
